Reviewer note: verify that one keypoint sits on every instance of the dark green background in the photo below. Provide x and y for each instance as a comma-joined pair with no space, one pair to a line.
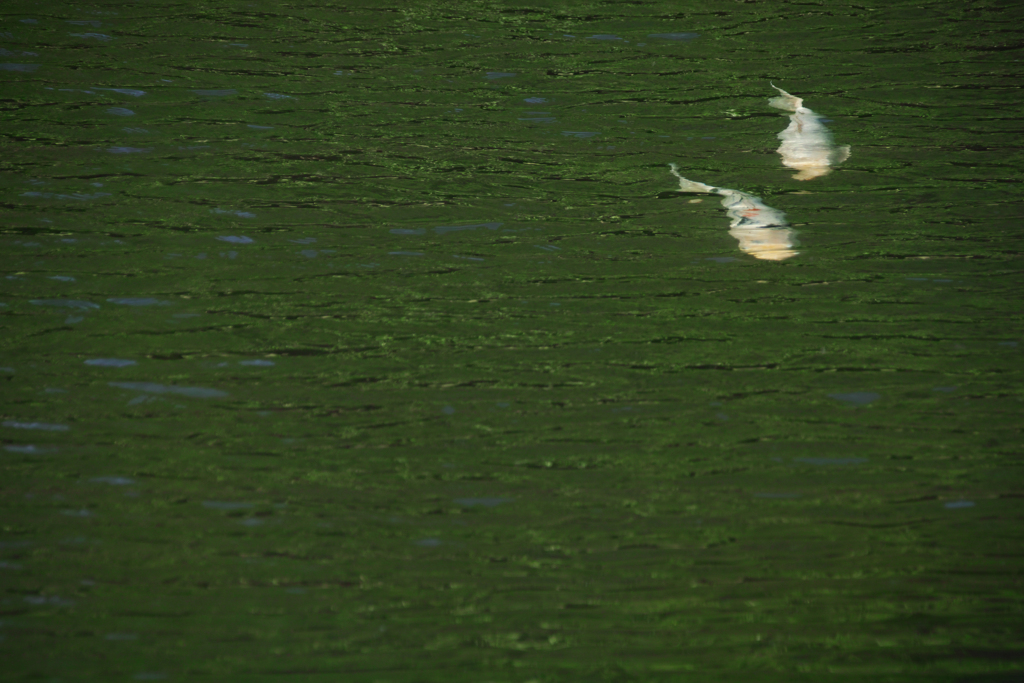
595,442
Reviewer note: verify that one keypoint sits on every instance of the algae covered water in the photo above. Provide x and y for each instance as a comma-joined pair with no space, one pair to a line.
378,342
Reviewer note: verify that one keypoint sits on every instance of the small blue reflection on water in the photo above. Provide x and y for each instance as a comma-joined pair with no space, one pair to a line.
79,196
674,36
49,599
224,505
43,426
153,388
257,363
129,150
604,36
138,301
121,636
125,91
442,229
110,362
120,111
483,502
492,75
957,504
579,134
857,398
428,542
30,449
113,481
216,93
240,214
236,239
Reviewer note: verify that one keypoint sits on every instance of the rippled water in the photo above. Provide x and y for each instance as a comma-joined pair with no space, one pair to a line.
378,342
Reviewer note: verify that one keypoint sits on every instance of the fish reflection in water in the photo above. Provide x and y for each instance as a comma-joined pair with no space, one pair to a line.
806,144
760,229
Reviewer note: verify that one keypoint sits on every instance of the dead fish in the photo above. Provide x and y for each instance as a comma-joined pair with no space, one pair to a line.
806,144
761,230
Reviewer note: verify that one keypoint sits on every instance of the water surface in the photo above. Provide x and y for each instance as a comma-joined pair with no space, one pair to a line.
377,343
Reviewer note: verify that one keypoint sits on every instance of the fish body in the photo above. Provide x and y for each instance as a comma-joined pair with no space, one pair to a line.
807,144
760,230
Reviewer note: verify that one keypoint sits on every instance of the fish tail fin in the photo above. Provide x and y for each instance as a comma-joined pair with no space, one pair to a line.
841,154
787,102
689,185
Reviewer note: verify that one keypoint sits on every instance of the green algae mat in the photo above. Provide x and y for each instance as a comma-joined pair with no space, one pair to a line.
379,343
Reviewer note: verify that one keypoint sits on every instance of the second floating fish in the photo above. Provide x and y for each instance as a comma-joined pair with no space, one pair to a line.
806,144
760,229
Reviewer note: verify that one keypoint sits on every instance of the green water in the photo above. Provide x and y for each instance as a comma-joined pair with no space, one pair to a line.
268,416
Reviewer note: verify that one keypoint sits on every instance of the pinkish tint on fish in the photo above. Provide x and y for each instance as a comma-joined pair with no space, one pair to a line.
761,230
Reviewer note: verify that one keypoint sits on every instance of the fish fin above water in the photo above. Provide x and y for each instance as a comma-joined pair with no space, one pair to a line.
689,185
787,102
840,155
